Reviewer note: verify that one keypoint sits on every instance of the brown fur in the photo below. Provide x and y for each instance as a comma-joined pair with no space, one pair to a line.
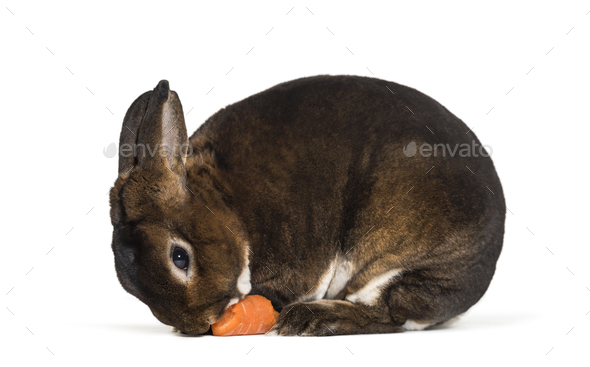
296,176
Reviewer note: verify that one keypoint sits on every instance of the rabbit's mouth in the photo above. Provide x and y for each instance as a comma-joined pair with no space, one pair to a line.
191,324
194,321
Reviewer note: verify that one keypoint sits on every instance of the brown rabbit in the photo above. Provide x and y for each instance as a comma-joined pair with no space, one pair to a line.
307,195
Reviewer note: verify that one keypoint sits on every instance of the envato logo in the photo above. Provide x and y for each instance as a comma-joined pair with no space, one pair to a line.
110,151
436,150
143,150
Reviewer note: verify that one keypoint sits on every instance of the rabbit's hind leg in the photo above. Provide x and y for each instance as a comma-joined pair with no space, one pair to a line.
412,300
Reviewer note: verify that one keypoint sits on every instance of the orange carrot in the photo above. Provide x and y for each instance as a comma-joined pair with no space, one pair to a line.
252,315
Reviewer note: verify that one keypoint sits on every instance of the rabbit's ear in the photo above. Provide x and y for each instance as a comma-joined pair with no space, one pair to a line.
162,133
129,132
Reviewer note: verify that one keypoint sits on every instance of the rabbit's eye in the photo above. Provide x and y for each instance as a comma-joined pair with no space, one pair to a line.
180,258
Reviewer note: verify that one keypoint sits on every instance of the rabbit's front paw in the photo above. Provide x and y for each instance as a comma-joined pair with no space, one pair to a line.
306,319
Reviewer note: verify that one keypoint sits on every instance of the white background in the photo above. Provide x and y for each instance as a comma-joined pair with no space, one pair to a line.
68,79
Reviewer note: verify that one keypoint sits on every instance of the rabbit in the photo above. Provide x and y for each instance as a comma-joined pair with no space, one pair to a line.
323,194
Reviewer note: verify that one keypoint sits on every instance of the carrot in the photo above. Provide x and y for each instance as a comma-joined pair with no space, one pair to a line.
252,315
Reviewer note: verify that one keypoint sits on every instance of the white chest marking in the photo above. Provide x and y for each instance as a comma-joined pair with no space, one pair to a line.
342,273
369,294
412,325
244,285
